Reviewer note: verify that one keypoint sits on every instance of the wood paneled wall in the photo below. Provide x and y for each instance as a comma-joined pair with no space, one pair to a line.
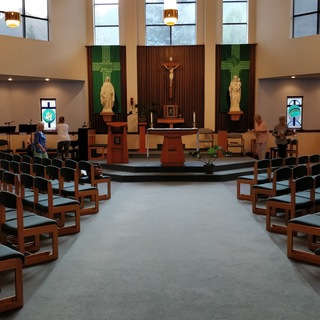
188,81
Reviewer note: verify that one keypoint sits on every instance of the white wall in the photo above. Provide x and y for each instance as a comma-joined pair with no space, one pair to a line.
20,102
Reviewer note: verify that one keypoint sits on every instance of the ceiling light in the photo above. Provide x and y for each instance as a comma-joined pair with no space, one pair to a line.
12,19
170,12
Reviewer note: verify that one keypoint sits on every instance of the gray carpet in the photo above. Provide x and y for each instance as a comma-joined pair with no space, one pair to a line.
171,251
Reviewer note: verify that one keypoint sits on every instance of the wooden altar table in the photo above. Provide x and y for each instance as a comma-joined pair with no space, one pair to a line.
172,149
170,121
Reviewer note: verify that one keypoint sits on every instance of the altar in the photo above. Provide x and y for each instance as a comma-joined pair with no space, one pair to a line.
172,149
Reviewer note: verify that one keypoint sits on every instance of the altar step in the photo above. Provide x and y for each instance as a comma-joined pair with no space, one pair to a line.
150,170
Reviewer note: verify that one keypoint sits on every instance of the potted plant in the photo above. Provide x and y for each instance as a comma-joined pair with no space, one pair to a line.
209,157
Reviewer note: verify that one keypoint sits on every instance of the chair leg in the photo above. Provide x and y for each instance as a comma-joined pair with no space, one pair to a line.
15,301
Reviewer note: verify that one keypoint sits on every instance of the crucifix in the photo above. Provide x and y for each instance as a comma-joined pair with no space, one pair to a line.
170,66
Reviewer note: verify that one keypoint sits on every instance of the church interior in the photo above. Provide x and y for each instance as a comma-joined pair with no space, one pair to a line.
129,225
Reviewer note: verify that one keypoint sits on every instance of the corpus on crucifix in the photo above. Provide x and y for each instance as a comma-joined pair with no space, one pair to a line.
171,66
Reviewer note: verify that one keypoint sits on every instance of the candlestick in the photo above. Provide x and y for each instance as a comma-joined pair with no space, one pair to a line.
151,117
194,117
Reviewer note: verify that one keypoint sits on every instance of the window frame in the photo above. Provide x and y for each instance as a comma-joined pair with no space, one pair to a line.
236,23
105,26
177,25
305,14
24,20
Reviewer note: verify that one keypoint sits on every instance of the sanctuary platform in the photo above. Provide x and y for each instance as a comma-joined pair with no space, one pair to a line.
143,169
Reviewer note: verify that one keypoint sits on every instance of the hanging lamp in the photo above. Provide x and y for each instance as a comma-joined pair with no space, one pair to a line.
170,12
12,19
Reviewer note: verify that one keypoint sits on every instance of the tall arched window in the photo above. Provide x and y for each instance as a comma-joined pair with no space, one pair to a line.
106,22
34,19
182,33
235,22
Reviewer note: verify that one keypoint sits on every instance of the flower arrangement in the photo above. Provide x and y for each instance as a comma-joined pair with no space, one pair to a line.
210,155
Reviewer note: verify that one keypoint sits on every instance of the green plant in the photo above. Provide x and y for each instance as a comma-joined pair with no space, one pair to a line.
210,155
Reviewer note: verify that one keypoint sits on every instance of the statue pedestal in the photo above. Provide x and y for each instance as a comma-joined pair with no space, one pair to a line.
235,115
107,116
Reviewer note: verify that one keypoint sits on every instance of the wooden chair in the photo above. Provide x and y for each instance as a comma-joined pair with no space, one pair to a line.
38,170
301,198
37,160
23,228
206,138
26,158
314,158
261,174
4,145
236,141
303,160
46,161
290,161
17,157
57,162
8,156
56,207
94,181
5,164
96,151
15,166
314,169
292,149
25,167
12,261
310,225
78,191
280,184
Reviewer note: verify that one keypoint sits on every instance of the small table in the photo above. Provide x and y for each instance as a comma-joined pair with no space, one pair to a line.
170,121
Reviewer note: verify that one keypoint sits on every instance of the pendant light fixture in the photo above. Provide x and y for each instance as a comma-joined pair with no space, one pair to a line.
170,12
12,19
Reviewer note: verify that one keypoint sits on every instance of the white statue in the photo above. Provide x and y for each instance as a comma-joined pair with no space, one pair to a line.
235,93
107,96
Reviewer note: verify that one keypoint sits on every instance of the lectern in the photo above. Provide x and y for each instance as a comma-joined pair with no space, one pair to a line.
117,143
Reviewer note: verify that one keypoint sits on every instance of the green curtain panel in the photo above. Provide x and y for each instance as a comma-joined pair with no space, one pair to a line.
235,60
106,62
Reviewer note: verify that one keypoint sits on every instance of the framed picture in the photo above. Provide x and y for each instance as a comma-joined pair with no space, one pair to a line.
170,111
294,112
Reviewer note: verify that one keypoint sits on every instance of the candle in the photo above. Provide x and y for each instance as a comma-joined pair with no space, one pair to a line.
194,117
151,117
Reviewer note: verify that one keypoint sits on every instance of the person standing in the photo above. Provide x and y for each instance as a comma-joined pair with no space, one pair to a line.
261,131
40,142
63,140
280,132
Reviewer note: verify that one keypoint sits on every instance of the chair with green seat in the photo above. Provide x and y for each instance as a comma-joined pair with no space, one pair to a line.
78,191
11,261
285,207
90,178
15,166
261,174
290,161
56,207
309,225
280,184
25,228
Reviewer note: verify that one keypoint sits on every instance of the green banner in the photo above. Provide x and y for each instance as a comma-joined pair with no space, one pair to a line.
106,63
235,61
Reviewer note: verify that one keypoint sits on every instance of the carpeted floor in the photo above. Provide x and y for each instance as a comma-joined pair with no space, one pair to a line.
171,251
